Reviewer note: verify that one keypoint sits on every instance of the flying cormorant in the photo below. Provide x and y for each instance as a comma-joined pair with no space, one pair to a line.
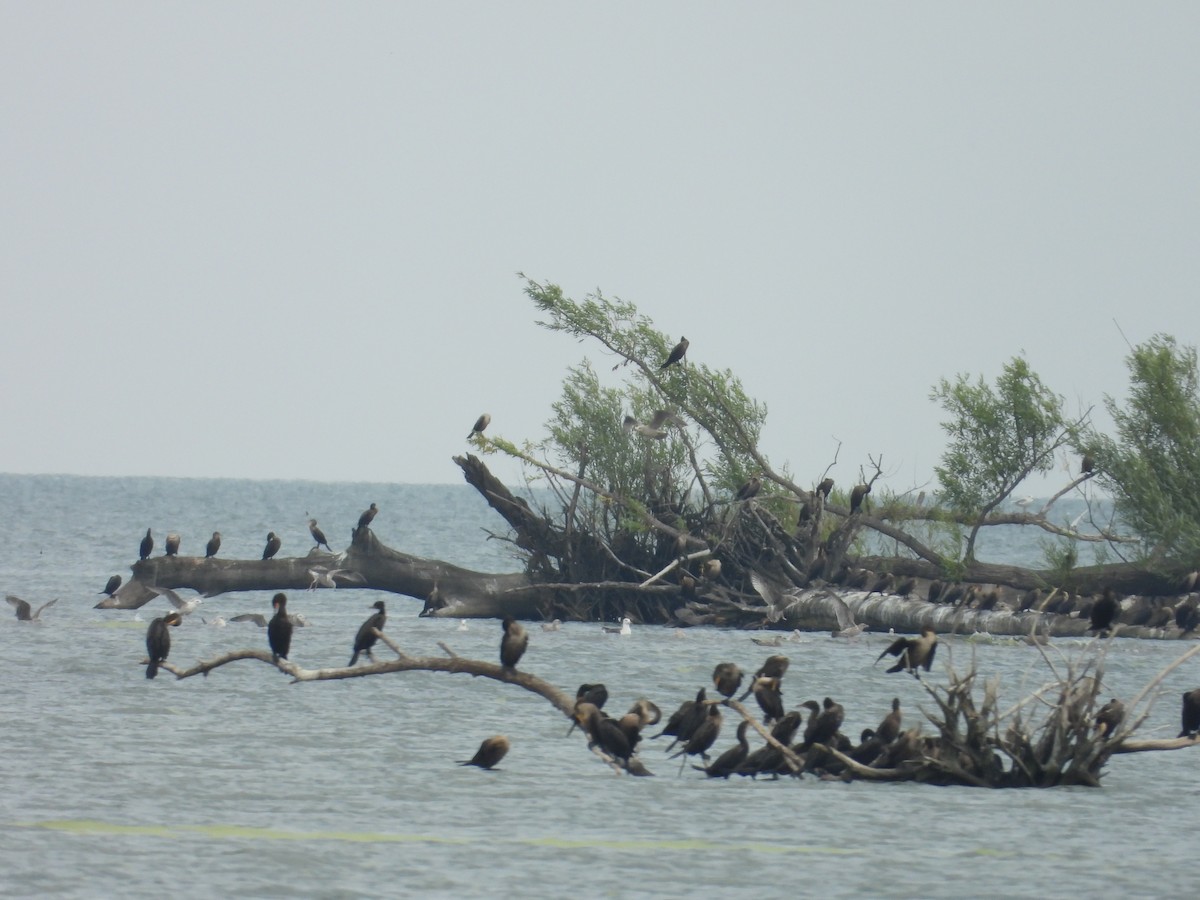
146,546
158,640
676,354
366,637
480,424
279,629
490,752
273,545
513,644
214,544
318,535
913,652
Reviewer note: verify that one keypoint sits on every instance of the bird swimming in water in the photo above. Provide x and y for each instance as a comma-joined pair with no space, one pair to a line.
463,626
626,627
913,652
553,625
676,354
25,612
857,495
1190,717
366,637
158,640
490,752
728,678
318,535
513,644
172,548
480,424
1110,717
273,545
214,544
279,630
146,546
368,515
111,586
1104,612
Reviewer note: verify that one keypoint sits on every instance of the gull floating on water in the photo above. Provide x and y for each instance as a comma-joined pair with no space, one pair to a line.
462,624
552,626
625,628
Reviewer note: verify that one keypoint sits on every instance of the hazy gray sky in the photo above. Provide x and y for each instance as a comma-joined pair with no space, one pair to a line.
280,239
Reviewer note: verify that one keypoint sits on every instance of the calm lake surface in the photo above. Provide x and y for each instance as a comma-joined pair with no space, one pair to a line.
243,784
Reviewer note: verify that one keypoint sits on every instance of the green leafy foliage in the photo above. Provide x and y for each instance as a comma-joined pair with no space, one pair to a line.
1152,467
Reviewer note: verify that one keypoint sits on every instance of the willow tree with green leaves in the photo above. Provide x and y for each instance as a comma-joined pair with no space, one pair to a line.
998,436
1152,466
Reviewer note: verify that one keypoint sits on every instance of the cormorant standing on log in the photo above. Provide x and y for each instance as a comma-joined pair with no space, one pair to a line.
480,424
365,639
750,489
602,731
889,728
856,497
146,546
1191,714
273,545
367,516
158,640
111,587
728,678
825,488
729,761
913,652
214,544
1104,612
172,548
682,718
676,354
823,724
490,752
318,535
513,644
1110,717
279,629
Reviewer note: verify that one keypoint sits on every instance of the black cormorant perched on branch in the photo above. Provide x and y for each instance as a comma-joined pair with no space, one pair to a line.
279,629
1191,714
676,354
366,637
158,640
914,653
513,644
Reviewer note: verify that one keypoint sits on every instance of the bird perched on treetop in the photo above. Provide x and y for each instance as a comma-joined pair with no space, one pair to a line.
676,354
480,424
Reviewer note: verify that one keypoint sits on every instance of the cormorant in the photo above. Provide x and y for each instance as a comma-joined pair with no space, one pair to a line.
158,640
703,737
146,546
480,424
823,724
825,487
368,515
1087,465
595,694
684,720
769,697
1104,612
857,495
676,354
935,591
889,728
729,761
513,644
366,638
23,609
913,652
1187,616
1191,714
214,544
279,629
111,587
728,678
172,547
318,535
490,752
273,545
602,731
1110,717
750,489
905,586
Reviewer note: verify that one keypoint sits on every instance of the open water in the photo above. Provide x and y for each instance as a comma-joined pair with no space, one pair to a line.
243,784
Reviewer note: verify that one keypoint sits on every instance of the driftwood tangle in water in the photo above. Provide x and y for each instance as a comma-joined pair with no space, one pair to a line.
1050,738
